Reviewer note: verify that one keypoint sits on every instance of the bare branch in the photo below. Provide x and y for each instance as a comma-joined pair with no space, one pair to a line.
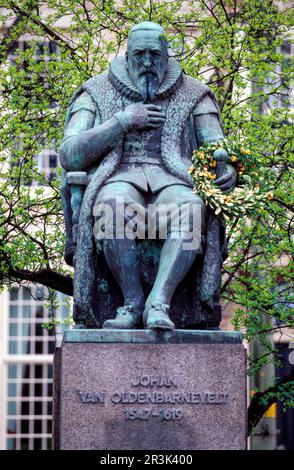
51,33
46,277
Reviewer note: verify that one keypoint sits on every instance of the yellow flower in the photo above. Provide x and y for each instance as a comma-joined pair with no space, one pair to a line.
201,155
213,164
245,151
270,196
209,175
211,191
233,158
228,199
240,173
254,173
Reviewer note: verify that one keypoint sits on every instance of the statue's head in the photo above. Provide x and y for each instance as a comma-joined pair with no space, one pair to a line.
147,58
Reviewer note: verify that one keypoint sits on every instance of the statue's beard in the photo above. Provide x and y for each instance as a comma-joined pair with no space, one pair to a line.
148,85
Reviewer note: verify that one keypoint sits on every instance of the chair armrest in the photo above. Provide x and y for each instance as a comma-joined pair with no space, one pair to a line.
77,182
79,178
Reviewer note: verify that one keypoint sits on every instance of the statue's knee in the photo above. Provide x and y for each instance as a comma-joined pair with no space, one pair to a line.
192,216
117,216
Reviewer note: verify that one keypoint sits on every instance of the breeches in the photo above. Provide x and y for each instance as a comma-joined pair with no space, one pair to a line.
122,210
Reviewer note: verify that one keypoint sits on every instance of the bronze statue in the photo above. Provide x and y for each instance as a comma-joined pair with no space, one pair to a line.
130,134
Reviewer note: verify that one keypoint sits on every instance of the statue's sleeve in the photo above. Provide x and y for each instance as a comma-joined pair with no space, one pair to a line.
81,116
207,121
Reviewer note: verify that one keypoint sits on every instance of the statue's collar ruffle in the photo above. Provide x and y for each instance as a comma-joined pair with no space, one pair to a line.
119,78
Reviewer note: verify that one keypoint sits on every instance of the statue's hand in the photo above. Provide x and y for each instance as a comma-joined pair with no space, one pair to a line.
140,116
227,181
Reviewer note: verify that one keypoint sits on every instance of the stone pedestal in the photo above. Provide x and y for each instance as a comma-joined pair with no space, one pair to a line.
138,389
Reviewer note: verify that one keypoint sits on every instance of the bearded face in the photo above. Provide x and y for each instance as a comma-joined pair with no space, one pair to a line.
147,62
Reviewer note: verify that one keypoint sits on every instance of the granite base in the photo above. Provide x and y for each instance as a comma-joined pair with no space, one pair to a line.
140,390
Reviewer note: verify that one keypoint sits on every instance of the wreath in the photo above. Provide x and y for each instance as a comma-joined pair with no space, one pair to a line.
253,189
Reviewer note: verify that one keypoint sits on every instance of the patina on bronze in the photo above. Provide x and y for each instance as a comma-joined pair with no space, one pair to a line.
130,132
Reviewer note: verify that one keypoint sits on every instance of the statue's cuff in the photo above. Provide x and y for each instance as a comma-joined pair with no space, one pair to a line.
122,121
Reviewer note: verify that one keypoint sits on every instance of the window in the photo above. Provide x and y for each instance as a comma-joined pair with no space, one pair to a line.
26,315
29,406
28,368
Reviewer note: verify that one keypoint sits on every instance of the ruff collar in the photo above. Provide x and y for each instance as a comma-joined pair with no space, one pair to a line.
119,78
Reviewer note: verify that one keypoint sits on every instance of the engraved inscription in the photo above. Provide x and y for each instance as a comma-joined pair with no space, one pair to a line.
155,381
91,397
182,398
168,394
168,414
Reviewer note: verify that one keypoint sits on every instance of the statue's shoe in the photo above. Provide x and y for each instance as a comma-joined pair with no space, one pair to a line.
80,325
156,316
126,319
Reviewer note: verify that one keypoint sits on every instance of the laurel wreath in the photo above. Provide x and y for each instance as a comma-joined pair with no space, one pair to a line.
252,191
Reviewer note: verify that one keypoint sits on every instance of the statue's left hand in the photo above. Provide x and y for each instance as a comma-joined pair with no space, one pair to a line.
227,181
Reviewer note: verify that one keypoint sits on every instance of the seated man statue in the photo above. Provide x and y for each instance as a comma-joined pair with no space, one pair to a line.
130,134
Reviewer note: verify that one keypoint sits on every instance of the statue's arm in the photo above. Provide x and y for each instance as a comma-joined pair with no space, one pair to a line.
207,123
208,128
83,144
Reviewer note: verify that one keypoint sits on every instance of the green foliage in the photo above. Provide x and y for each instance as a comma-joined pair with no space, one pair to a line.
284,394
238,49
53,324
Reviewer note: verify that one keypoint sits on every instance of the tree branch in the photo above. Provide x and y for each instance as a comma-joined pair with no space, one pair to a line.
53,34
46,277
258,406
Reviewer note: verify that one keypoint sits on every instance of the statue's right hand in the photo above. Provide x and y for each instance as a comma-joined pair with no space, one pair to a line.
140,116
